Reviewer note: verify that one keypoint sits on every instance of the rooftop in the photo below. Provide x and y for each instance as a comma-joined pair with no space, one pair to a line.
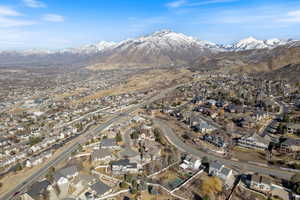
100,188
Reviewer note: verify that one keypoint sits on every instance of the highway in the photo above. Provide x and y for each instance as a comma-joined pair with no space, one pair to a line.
243,166
79,140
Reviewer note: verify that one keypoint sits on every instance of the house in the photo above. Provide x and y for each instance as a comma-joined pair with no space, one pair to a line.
123,166
7,161
298,104
197,99
4,141
259,183
260,116
146,133
34,161
10,150
224,173
47,154
215,139
137,119
253,142
231,108
215,168
152,150
20,155
38,190
60,179
82,180
100,189
289,145
190,163
69,172
109,143
35,148
272,128
211,102
293,128
101,155
203,127
214,114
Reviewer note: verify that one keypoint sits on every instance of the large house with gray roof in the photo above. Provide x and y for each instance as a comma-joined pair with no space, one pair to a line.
253,142
37,191
109,143
101,155
100,189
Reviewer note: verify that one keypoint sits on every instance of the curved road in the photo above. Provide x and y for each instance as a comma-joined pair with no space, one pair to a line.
177,142
79,140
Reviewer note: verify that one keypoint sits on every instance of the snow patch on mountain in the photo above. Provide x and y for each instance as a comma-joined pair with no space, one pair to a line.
90,49
164,40
253,43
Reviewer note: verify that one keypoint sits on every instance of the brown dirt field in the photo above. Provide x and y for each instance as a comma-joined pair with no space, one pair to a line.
249,154
154,78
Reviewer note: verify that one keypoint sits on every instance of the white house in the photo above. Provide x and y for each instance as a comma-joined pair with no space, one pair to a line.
224,173
190,163
253,142
123,166
34,161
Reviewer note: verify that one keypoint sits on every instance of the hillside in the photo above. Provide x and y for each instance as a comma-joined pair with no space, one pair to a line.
291,73
257,60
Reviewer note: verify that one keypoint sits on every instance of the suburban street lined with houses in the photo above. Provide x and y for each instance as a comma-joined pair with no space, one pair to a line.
162,135
178,143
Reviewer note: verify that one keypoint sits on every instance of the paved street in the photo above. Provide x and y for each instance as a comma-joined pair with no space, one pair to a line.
79,140
244,166
171,136
282,111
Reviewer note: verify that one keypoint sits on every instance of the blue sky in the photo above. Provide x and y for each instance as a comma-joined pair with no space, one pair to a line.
58,24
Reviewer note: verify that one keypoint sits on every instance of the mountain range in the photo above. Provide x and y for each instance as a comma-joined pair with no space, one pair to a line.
165,38
166,49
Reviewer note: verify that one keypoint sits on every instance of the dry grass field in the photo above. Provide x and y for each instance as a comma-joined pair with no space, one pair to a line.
153,79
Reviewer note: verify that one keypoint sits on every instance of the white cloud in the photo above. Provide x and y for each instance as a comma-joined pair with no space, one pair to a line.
7,22
34,3
7,11
292,16
53,18
202,3
176,4
181,3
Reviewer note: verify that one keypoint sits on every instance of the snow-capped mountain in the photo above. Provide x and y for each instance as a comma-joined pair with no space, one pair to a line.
164,39
160,48
86,49
252,43
90,49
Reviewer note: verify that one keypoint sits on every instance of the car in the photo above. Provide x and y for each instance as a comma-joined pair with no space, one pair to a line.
16,193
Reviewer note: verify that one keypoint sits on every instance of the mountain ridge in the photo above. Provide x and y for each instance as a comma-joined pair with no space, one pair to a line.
166,48
248,43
